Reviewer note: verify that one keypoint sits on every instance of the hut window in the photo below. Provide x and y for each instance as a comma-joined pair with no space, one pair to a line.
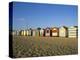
54,30
47,31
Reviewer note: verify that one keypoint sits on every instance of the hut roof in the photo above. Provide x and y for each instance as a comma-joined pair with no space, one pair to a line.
47,28
76,26
54,28
65,27
73,27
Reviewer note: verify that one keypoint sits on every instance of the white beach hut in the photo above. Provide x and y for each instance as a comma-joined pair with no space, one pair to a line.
33,32
63,32
30,32
14,32
73,31
41,32
47,32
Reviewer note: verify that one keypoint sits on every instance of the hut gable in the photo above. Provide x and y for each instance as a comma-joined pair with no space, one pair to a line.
73,28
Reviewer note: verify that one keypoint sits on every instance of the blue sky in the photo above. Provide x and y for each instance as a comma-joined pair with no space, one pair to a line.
31,15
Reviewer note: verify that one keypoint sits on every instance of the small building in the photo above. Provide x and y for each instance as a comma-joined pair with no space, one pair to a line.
54,32
27,32
33,32
73,31
47,32
30,32
17,32
41,32
37,33
23,33
63,31
14,32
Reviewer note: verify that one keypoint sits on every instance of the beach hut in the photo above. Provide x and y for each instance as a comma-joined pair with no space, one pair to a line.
47,32
17,32
63,32
54,32
73,31
30,32
33,32
14,32
41,32
27,32
37,32
23,33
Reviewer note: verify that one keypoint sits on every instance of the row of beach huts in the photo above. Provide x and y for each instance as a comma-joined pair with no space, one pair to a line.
52,32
